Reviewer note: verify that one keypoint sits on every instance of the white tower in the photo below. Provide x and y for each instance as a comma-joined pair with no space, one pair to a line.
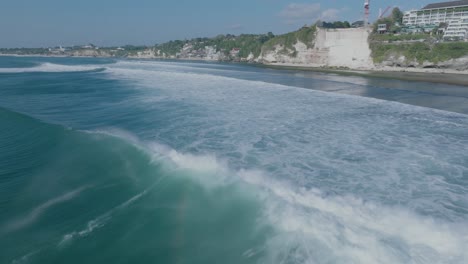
366,13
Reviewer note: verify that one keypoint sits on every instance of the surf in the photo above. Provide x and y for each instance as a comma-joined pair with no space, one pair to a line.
114,200
200,167
52,67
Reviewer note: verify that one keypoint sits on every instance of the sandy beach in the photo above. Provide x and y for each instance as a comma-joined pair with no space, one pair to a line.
447,76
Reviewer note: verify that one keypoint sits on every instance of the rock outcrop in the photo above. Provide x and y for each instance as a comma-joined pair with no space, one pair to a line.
400,61
89,53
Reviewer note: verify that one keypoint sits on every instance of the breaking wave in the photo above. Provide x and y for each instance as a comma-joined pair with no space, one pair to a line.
52,67
310,225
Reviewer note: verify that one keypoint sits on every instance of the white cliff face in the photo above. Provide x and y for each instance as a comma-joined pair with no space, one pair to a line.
301,54
347,48
332,48
145,54
251,57
306,55
274,56
212,54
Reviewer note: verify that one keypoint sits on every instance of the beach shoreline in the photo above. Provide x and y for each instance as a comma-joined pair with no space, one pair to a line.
446,76
432,75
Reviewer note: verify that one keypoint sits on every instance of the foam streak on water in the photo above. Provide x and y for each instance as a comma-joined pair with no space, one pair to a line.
39,210
204,163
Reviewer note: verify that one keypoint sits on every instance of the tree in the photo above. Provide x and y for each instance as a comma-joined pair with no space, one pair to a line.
394,29
338,24
397,15
385,20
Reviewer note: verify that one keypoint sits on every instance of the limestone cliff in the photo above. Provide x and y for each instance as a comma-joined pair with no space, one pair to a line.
298,54
326,48
89,53
148,53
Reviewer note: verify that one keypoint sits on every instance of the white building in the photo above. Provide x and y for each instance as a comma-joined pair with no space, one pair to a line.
453,13
382,28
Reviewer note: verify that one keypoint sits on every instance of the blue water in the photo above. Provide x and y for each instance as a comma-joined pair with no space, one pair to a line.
125,161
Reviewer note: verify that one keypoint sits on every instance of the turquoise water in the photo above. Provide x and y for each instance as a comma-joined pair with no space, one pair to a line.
121,161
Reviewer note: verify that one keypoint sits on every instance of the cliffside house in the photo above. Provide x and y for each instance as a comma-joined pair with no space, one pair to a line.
382,28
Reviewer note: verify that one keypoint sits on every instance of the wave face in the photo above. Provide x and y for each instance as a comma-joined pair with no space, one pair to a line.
170,162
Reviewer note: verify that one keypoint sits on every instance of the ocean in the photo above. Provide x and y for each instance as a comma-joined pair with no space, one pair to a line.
134,161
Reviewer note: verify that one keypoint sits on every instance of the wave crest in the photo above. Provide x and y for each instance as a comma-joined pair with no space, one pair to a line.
311,225
52,67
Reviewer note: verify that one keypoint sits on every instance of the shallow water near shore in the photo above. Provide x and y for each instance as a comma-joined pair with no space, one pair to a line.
126,161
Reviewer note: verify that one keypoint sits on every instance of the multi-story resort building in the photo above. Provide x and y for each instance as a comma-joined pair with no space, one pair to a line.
454,14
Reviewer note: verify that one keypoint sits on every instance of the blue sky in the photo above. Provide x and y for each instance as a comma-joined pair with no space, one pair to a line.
43,23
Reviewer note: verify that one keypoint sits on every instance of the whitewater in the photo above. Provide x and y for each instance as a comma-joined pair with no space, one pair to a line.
126,161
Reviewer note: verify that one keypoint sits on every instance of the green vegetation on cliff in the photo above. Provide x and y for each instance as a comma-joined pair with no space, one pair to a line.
403,37
92,51
334,25
413,48
288,40
24,51
172,47
419,51
246,43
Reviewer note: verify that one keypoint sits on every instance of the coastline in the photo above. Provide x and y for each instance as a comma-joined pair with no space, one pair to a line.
432,75
445,76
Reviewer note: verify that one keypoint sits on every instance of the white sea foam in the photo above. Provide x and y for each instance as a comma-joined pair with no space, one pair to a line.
52,67
205,83
207,169
173,65
356,231
343,179
41,209
378,172
187,68
312,227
